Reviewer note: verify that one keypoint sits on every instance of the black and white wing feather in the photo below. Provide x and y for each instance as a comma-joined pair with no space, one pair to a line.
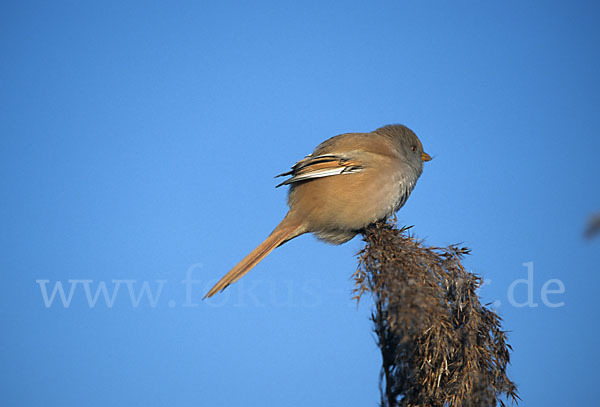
325,165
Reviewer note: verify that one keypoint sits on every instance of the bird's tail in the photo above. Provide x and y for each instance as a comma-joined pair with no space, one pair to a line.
286,230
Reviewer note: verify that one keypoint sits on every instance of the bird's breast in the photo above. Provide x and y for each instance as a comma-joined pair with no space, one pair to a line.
331,207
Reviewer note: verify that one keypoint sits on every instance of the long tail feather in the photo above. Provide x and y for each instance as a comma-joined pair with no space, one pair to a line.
285,231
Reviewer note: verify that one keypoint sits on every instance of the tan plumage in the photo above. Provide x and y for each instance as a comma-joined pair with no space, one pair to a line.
286,230
347,183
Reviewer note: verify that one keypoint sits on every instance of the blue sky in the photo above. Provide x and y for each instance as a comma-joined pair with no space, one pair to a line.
139,141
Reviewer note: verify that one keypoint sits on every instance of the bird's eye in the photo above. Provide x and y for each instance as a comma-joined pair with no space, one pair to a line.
413,148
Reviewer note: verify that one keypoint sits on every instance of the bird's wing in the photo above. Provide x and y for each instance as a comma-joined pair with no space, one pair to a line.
325,165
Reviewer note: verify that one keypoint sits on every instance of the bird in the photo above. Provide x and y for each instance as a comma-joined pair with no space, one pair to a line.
348,182
593,226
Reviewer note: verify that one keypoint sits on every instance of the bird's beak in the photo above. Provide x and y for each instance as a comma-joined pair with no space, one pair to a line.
425,157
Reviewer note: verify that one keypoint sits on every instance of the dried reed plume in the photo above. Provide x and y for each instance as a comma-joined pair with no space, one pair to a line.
439,345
